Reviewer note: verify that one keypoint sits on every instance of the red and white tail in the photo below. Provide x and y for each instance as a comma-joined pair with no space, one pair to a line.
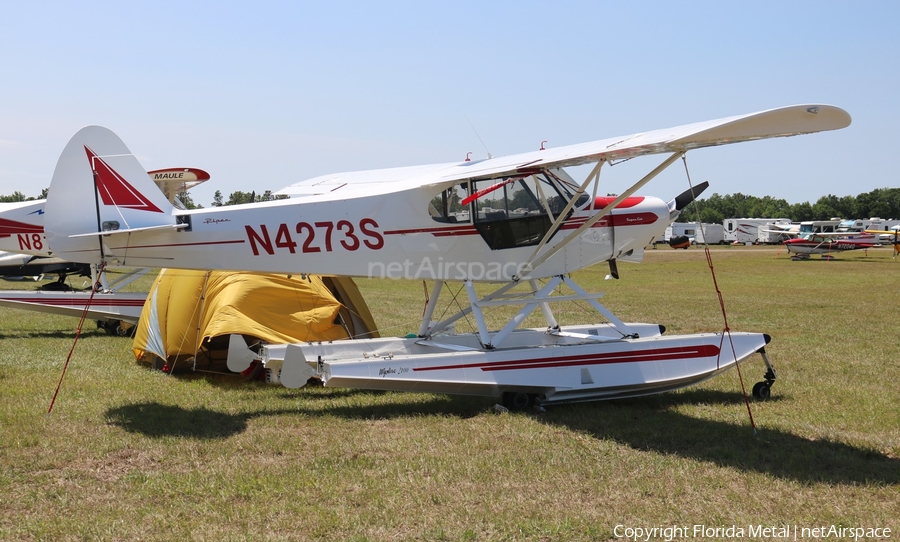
99,186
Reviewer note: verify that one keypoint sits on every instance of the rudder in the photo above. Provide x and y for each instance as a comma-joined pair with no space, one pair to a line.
98,185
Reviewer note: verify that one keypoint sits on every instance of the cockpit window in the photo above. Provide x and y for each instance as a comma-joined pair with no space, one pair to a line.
518,211
447,206
521,196
508,212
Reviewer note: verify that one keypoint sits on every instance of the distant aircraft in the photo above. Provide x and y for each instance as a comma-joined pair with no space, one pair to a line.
13,265
514,221
826,245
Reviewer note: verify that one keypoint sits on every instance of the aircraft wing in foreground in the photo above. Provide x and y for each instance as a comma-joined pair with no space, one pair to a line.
520,221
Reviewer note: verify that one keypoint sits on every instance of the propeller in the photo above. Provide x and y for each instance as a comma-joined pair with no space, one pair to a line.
685,198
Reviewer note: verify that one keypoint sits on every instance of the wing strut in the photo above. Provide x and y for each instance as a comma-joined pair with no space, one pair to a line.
561,217
535,263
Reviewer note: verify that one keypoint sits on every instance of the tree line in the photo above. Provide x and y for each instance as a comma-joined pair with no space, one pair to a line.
235,198
18,196
881,203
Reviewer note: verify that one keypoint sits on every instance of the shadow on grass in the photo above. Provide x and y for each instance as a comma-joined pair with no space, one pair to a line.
647,424
650,424
456,406
156,420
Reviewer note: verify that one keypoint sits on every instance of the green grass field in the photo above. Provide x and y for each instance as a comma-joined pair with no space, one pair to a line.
133,454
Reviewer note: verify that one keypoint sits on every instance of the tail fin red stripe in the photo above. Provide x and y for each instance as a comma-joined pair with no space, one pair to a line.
114,189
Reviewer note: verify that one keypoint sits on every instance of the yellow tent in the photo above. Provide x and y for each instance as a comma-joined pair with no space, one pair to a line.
185,310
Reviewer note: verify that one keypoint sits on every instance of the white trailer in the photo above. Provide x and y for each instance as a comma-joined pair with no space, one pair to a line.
752,230
777,231
712,234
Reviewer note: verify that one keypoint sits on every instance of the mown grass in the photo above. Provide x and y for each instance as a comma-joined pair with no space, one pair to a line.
133,454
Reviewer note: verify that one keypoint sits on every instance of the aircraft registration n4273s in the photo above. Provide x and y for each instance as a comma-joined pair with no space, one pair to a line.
513,220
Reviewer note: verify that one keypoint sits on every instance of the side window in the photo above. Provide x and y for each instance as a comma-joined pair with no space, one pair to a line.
516,211
514,197
447,206
495,200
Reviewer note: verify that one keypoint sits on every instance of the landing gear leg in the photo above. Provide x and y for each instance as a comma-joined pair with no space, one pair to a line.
762,390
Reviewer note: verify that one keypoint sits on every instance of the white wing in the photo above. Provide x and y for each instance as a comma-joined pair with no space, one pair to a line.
780,122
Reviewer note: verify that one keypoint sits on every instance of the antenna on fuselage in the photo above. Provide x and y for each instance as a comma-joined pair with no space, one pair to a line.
489,155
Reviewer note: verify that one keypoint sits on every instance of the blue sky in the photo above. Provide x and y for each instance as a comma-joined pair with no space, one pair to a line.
265,94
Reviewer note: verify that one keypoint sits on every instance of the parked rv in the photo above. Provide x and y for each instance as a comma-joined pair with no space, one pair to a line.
712,234
755,230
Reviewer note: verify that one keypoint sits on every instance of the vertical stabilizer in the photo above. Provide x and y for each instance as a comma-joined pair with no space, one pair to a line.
98,185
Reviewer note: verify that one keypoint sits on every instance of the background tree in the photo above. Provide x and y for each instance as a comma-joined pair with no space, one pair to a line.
881,203
185,198
238,197
14,197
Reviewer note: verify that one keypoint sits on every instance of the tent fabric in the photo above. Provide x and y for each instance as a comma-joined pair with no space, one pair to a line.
354,309
186,308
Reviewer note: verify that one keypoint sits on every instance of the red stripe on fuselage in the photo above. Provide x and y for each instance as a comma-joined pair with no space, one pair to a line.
128,247
661,354
238,241
446,230
628,219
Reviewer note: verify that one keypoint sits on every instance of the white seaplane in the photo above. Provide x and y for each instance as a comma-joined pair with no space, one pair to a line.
514,221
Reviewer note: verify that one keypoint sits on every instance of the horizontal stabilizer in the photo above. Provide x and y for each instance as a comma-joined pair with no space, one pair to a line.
130,230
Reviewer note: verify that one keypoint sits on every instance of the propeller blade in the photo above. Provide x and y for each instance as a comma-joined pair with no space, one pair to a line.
685,198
